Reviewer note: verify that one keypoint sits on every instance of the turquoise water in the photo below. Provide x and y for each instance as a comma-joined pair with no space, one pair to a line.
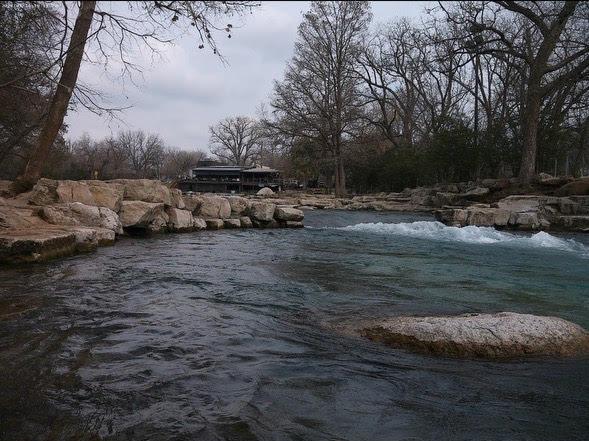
231,335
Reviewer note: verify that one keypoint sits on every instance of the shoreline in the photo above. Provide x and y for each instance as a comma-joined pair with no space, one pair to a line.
63,218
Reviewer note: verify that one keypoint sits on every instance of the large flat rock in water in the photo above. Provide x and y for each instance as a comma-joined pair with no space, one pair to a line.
501,335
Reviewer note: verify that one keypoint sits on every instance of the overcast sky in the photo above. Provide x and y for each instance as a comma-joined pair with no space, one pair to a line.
181,95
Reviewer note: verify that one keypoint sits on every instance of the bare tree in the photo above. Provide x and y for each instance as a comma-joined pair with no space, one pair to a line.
318,98
546,38
236,140
152,26
178,163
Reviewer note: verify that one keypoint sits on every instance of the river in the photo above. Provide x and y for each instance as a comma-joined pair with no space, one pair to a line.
232,335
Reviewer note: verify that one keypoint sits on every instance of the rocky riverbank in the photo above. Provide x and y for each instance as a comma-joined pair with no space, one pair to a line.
60,218
560,203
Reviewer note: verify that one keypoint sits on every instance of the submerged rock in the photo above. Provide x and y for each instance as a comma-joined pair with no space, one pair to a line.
35,245
501,335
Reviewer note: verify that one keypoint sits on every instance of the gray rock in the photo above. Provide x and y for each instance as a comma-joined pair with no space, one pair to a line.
500,335
288,214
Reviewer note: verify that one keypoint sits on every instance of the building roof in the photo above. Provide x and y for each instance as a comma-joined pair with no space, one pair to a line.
261,169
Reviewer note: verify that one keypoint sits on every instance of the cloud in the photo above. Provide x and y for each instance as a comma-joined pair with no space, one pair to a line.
183,92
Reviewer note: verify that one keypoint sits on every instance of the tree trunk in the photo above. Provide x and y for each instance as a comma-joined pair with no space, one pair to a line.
61,99
531,116
340,177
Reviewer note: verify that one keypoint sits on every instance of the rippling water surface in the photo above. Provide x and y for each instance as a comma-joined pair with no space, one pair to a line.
231,336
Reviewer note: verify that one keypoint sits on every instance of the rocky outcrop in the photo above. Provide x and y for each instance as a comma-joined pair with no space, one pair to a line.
523,213
502,335
59,218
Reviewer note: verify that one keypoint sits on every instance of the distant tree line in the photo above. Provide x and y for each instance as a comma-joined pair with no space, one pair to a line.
479,89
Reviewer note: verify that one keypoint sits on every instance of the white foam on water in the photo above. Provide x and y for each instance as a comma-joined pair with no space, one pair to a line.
469,234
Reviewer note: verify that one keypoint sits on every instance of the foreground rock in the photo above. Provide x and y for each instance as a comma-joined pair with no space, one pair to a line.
501,335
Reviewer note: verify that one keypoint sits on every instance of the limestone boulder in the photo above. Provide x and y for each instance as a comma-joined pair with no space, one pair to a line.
231,223
76,213
93,193
265,192
239,206
104,194
245,222
177,199
179,220
491,336
145,190
214,224
288,214
214,207
143,216
199,223
488,217
520,203
262,211
192,203
452,216
525,221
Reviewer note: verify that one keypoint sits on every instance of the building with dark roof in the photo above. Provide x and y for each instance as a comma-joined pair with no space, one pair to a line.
208,178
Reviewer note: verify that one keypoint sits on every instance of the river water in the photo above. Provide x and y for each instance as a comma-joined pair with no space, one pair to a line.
232,335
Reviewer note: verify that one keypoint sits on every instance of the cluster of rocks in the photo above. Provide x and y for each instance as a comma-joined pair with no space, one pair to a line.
59,218
490,336
558,203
